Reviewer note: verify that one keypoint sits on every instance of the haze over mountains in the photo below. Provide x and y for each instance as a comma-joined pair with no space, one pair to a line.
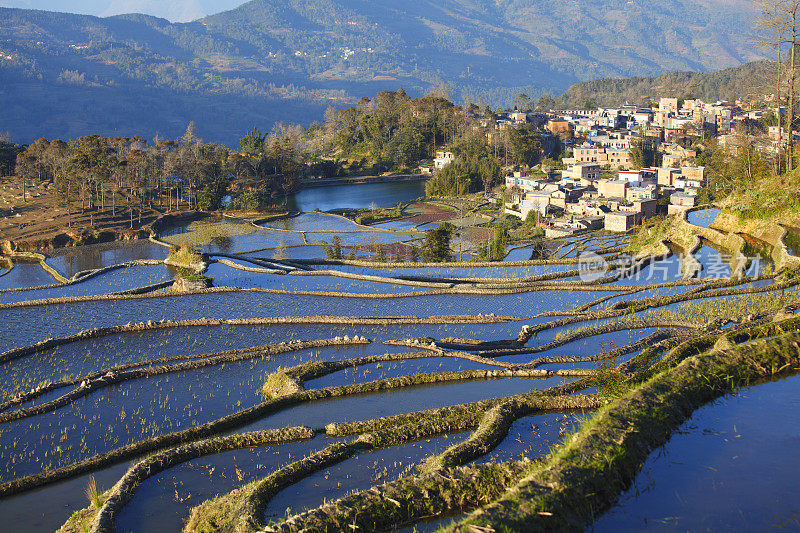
173,10
287,60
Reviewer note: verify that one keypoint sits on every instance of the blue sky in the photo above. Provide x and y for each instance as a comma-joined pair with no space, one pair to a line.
175,10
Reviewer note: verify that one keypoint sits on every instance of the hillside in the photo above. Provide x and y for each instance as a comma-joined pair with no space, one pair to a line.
751,79
267,60
174,10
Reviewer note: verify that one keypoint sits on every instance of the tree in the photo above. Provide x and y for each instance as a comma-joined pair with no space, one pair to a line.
8,155
436,247
27,168
526,145
92,163
718,173
474,165
212,193
253,142
777,25
643,153
523,103
334,251
748,165
545,103
495,250
790,10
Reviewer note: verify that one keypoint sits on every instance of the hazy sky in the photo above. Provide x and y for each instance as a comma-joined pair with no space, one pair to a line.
174,10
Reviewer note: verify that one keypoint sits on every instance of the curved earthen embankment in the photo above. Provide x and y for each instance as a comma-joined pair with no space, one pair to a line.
149,369
766,231
47,344
238,419
36,257
253,270
457,285
7,264
593,466
598,463
170,219
270,348
245,506
123,490
84,275
725,240
461,264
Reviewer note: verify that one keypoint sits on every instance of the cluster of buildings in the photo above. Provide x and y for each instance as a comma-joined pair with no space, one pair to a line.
601,187
578,199
672,120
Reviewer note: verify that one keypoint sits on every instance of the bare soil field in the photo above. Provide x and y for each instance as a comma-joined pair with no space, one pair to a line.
39,219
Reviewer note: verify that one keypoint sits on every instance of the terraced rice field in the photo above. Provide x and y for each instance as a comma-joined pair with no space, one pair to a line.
290,399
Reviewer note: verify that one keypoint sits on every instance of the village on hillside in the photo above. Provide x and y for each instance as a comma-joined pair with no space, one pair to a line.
598,184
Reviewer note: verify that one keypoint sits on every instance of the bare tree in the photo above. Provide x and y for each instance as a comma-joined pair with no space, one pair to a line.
789,10
771,32
779,28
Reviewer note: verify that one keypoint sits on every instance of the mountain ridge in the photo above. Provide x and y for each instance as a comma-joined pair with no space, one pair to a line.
174,10
307,54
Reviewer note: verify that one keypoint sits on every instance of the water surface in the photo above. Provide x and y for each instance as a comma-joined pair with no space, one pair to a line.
732,467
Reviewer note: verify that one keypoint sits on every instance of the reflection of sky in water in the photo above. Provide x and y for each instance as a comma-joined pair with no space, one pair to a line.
732,467
357,196
704,217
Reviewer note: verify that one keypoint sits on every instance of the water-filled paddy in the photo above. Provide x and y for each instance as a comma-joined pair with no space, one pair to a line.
70,261
356,197
732,467
163,502
126,413
357,473
109,282
703,217
307,222
28,325
24,275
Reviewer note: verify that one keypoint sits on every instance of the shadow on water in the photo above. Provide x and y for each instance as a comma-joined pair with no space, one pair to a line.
792,240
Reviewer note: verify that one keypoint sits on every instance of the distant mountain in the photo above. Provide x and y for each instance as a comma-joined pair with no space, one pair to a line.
751,80
174,10
288,59
181,11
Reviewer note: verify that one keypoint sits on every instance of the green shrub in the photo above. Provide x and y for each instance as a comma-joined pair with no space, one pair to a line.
251,201
185,254
278,384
